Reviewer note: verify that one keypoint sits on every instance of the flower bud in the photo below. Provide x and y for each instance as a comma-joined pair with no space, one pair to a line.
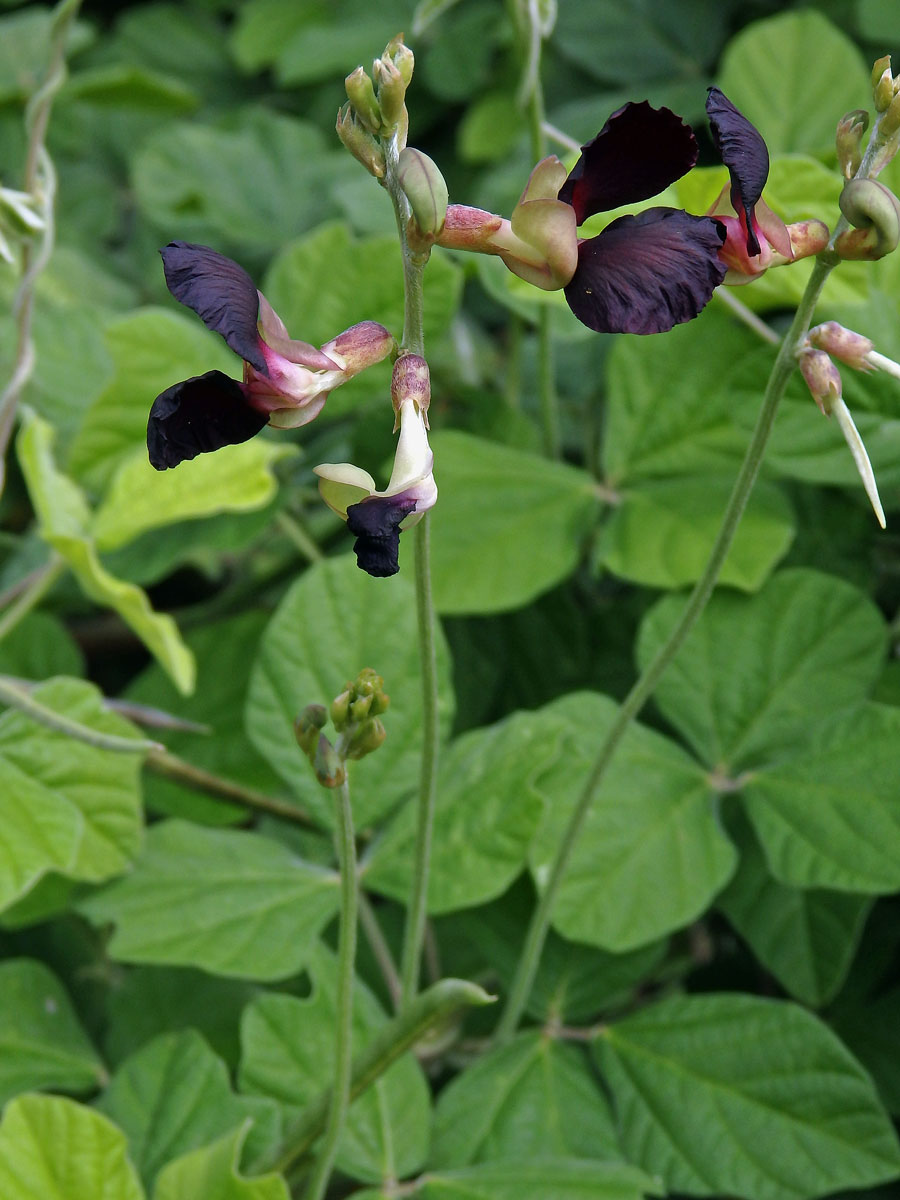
426,190
890,122
359,709
360,346
848,141
822,378
307,727
401,56
359,141
368,737
851,348
361,94
330,770
340,709
875,212
411,380
391,91
882,83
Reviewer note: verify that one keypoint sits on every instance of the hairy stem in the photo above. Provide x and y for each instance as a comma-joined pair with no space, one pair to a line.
339,1102
16,695
652,673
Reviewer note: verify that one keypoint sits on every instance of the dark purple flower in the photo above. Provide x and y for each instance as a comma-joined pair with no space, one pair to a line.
285,382
644,273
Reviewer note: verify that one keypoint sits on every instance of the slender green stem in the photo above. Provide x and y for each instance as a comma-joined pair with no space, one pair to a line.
414,932
533,99
16,695
294,532
649,678
413,340
162,762
343,1053
431,1008
38,586
381,951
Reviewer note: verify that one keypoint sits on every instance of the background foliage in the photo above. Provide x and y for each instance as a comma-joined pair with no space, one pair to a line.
716,1012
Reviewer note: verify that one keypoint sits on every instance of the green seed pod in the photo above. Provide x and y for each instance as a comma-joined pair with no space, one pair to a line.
425,188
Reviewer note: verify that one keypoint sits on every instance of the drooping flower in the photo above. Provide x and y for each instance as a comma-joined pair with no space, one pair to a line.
756,238
377,518
285,382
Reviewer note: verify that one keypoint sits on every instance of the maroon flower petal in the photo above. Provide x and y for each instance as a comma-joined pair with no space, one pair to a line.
376,525
220,292
743,151
638,152
645,274
199,415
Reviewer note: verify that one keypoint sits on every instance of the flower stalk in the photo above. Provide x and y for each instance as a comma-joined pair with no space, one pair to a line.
645,685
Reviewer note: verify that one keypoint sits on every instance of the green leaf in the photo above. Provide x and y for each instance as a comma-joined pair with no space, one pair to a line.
496,506
533,1098
224,651
765,73
231,902
828,816
641,39
151,349
265,178
212,1172
173,1095
869,1027
488,809
139,498
42,647
807,647
289,1055
736,1095
561,1178
490,128
122,85
55,1149
661,533
334,621
663,420
807,939
154,1000
64,517
42,1044
65,806
624,885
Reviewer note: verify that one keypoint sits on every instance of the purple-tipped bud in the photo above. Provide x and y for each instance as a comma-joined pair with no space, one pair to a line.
822,378
330,770
360,346
849,347
411,380
848,141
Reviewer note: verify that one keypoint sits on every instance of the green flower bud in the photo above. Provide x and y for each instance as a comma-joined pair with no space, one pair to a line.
390,89
359,709
401,56
875,212
425,189
340,709
882,83
361,94
848,141
890,122
367,738
359,141
308,725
